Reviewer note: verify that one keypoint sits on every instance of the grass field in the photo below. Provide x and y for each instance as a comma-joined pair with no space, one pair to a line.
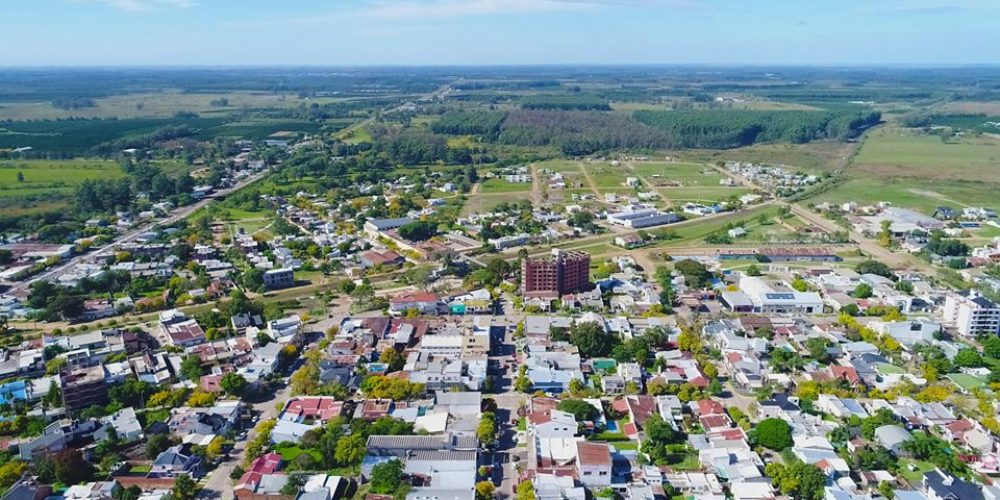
896,152
687,174
605,175
502,186
485,202
819,156
696,231
44,177
918,194
153,105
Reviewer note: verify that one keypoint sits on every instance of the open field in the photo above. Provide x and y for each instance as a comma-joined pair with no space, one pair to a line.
687,174
485,202
917,194
606,176
971,107
895,152
502,186
818,156
154,105
43,177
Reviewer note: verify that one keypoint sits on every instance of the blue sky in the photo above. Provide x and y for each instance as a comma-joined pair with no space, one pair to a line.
486,32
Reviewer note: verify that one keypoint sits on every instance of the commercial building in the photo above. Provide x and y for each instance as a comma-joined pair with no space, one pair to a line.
970,313
376,226
642,218
84,388
564,272
279,278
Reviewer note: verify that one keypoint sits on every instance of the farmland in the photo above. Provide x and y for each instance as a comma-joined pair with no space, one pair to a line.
46,177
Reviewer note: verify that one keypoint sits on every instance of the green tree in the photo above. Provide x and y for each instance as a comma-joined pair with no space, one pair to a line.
386,477
581,410
233,383
191,368
991,346
772,433
486,431
862,291
351,449
484,490
968,358
184,488
591,339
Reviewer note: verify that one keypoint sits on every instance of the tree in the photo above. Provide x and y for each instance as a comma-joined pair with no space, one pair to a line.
753,270
418,230
883,416
11,472
305,380
991,346
20,176
214,448
875,267
484,490
968,358
200,399
797,479
351,449
393,360
522,383
191,368
591,339
773,433
659,435
581,410
184,488
70,467
689,341
295,482
862,291
233,383
525,491
696,275
386,477
487,429
156,444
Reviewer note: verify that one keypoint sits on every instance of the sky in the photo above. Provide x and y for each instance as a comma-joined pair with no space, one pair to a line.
497,32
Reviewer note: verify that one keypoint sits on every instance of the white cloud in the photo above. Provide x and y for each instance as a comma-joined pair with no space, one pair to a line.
144,5
409,9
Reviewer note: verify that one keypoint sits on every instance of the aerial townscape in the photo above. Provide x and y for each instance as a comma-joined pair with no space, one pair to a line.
468,282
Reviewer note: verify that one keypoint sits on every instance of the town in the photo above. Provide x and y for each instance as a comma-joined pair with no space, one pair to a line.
399,308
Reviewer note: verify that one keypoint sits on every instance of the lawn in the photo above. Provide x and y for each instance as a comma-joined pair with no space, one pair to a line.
485,202
914,476
967,382
44,177
288,453
140,469
502,186
889,369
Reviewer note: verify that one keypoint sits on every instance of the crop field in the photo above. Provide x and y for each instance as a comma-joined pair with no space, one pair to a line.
895,152
502,186
154,105
79,136
45,177
262,129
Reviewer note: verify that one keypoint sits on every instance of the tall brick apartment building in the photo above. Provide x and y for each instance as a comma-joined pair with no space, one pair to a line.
561,273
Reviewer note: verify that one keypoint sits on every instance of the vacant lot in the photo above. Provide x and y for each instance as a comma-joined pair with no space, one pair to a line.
917,194
896,152
502,186
605,175
685,174
44,177
818,156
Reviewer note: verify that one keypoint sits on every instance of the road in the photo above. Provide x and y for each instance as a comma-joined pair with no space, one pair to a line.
218,484
508,402
132,234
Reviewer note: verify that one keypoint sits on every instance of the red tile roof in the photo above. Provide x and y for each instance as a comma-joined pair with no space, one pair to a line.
710,407
317,407
593,453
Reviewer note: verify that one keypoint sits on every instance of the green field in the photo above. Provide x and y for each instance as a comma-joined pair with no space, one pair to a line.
502,186
687,174
606,176
45,177
895,152
917,194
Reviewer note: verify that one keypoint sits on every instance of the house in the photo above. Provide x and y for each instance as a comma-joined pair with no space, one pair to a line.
779,406
175,461
892,438
372,258
940,485
93,490
552,423
218,419
126,425
593,464
179,330
265,465
275,279
423,302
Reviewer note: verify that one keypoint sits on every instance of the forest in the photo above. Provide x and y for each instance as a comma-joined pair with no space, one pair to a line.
579,132
724,129
579,102
458,122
